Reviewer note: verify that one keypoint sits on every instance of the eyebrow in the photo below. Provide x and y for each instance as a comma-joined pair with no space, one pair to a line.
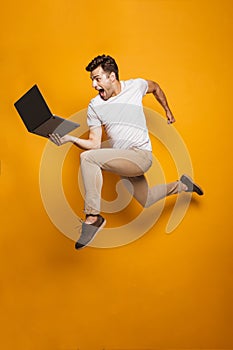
94,77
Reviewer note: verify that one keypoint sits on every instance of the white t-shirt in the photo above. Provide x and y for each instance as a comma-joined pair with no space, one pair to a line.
122,116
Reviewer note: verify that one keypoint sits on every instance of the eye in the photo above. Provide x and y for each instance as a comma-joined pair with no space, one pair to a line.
98,79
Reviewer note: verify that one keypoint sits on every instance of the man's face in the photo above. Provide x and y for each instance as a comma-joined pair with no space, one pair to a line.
103,82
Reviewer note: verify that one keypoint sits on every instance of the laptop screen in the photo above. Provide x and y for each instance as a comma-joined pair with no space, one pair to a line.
33,109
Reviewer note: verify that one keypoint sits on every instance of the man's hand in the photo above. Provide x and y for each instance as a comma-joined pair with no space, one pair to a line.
58,140
93,142
170,117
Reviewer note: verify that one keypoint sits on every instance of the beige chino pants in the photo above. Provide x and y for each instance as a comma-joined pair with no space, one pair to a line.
130,164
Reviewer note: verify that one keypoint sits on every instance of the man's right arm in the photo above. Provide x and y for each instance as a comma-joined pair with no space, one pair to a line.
93,142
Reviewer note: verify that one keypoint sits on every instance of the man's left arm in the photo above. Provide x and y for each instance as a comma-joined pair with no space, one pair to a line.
158,93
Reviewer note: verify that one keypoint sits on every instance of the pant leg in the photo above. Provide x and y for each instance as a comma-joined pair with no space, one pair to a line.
147,196
127,163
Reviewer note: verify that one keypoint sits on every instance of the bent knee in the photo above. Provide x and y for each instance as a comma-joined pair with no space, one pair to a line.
91,156
86,155
145,205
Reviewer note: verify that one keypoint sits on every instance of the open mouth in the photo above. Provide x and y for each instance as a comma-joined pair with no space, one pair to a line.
101,92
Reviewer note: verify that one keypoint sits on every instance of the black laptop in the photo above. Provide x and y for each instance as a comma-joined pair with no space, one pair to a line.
37,116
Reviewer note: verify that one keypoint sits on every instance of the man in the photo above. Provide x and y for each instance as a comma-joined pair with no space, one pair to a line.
118,107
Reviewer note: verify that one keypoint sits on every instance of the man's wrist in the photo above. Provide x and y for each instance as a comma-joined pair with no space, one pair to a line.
74,139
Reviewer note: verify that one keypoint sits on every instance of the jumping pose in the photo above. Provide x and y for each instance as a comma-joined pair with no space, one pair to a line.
118,108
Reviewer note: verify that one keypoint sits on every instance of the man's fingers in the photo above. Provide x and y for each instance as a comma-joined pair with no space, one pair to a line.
55,138
171,121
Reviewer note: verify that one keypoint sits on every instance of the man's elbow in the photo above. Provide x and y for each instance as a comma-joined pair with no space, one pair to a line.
153,87
95,144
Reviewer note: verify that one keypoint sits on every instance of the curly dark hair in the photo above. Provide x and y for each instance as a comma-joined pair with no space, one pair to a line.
107,63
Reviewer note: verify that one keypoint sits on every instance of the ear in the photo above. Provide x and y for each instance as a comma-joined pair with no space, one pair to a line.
112,76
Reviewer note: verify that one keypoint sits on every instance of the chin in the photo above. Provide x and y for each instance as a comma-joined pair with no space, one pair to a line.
105,98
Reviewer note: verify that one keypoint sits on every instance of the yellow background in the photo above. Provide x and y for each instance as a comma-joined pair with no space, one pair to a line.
162,291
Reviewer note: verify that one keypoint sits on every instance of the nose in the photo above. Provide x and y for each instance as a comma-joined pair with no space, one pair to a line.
94,84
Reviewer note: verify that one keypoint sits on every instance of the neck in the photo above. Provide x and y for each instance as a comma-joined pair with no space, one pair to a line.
117,88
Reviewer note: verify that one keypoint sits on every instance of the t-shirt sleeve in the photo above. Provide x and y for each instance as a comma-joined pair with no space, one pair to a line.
142,85
92,117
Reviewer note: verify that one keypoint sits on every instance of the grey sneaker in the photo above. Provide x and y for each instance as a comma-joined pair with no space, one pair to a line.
89,232
192,187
